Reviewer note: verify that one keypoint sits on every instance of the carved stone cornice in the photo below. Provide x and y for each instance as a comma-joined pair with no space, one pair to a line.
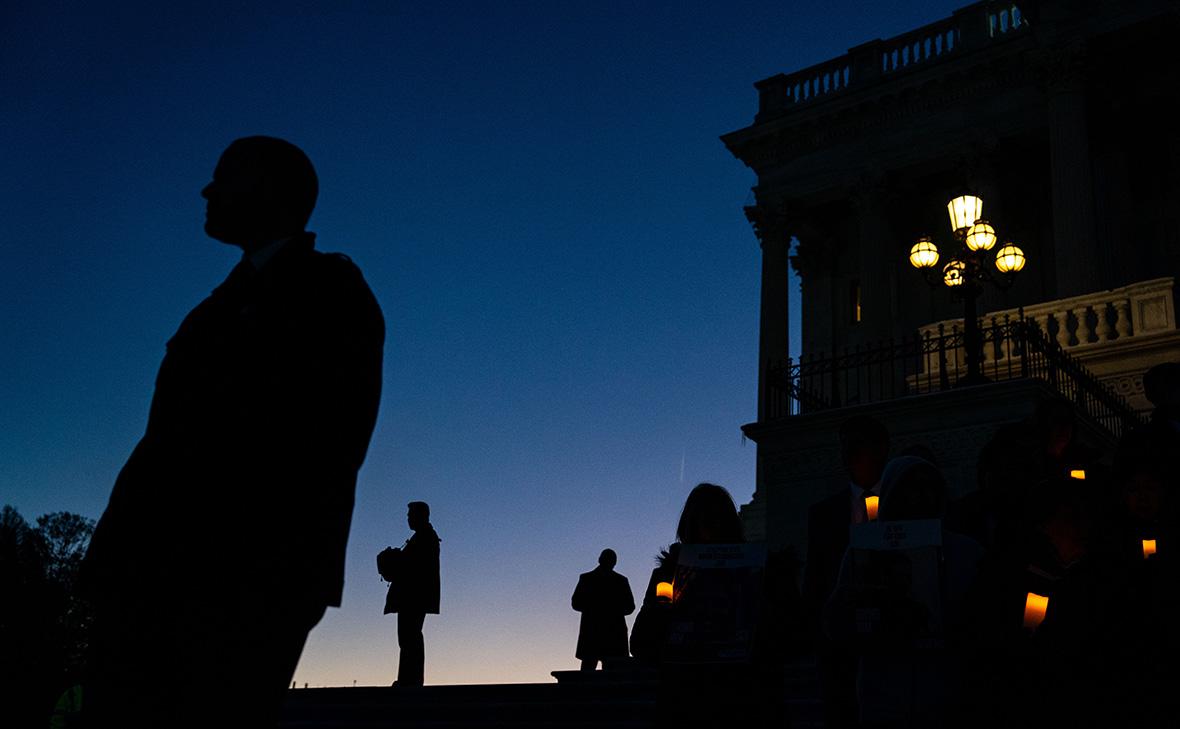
865,114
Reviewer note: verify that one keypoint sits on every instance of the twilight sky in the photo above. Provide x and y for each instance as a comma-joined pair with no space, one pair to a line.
538,197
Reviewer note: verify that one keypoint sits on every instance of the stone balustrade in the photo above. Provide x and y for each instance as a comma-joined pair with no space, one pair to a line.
1004,18
975,26
928,43
1084,324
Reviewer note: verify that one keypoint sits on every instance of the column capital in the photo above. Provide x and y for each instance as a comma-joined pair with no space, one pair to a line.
1062,69
772,222
813,256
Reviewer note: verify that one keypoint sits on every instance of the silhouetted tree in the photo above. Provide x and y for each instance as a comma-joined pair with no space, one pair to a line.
42,623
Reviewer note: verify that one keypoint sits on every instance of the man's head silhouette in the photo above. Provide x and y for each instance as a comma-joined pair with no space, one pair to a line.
608,559
263,190
417,514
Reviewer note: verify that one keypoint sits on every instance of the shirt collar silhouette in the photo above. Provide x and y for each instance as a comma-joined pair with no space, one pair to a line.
260,256
261,260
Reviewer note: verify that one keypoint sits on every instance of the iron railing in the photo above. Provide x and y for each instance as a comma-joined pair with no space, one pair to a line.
1012,349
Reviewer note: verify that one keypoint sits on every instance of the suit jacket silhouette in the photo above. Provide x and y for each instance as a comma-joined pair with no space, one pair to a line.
261,417
417,590
604,598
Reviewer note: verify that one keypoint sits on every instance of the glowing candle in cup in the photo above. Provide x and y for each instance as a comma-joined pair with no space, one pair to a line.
871,503
664,591
1148,548
1035,607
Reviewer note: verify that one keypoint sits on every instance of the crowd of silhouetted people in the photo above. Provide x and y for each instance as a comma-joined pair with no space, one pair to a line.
1057,579
1046,596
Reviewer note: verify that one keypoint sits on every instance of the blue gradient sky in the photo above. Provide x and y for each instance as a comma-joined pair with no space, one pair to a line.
535,192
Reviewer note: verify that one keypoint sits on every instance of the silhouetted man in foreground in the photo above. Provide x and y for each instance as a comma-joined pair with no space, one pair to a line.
224,539
604,598
414,593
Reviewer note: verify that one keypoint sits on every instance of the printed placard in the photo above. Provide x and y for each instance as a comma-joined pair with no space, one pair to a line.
717,603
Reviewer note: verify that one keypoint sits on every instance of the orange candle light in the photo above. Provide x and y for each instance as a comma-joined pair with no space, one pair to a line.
871,503
1035,607
1078,473
664,591
1148,548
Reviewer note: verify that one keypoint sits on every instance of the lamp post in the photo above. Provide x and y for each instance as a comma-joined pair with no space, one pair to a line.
967,269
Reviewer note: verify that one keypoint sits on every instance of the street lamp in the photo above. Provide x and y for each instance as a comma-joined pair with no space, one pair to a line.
967,269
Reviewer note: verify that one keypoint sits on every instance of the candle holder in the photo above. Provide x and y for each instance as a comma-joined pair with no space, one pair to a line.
1148,548
664,591
871,504
1035,607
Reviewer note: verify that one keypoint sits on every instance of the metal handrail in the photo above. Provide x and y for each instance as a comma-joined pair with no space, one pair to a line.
925,363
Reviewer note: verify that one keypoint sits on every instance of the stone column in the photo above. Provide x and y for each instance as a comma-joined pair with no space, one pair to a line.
814,262
877,272
774,322
1075,240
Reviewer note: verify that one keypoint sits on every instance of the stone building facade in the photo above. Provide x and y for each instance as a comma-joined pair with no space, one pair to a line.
1053,112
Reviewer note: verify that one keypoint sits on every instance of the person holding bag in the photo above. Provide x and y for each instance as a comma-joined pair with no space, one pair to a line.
413,574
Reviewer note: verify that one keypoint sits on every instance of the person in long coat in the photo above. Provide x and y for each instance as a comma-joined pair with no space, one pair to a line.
414,594
224,539
604,598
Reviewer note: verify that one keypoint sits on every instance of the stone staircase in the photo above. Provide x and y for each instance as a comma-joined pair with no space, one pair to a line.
574,701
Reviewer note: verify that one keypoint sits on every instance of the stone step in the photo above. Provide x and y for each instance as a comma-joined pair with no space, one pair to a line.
610,705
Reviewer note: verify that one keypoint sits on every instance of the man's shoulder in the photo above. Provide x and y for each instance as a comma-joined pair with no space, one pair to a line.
336,281
425,538
335,267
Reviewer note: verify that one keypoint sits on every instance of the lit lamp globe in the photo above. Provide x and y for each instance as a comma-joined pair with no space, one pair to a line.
952,273
964,210
1009,259
980,237
924,254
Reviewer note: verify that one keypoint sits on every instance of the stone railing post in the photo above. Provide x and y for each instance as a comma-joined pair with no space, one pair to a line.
1151,307
772,96
1045,323
1063,328
1122,321
1105,329
865,62
972,24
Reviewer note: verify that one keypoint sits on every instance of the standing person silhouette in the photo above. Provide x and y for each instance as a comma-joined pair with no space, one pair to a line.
224,539
604,598
864,451
414,594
